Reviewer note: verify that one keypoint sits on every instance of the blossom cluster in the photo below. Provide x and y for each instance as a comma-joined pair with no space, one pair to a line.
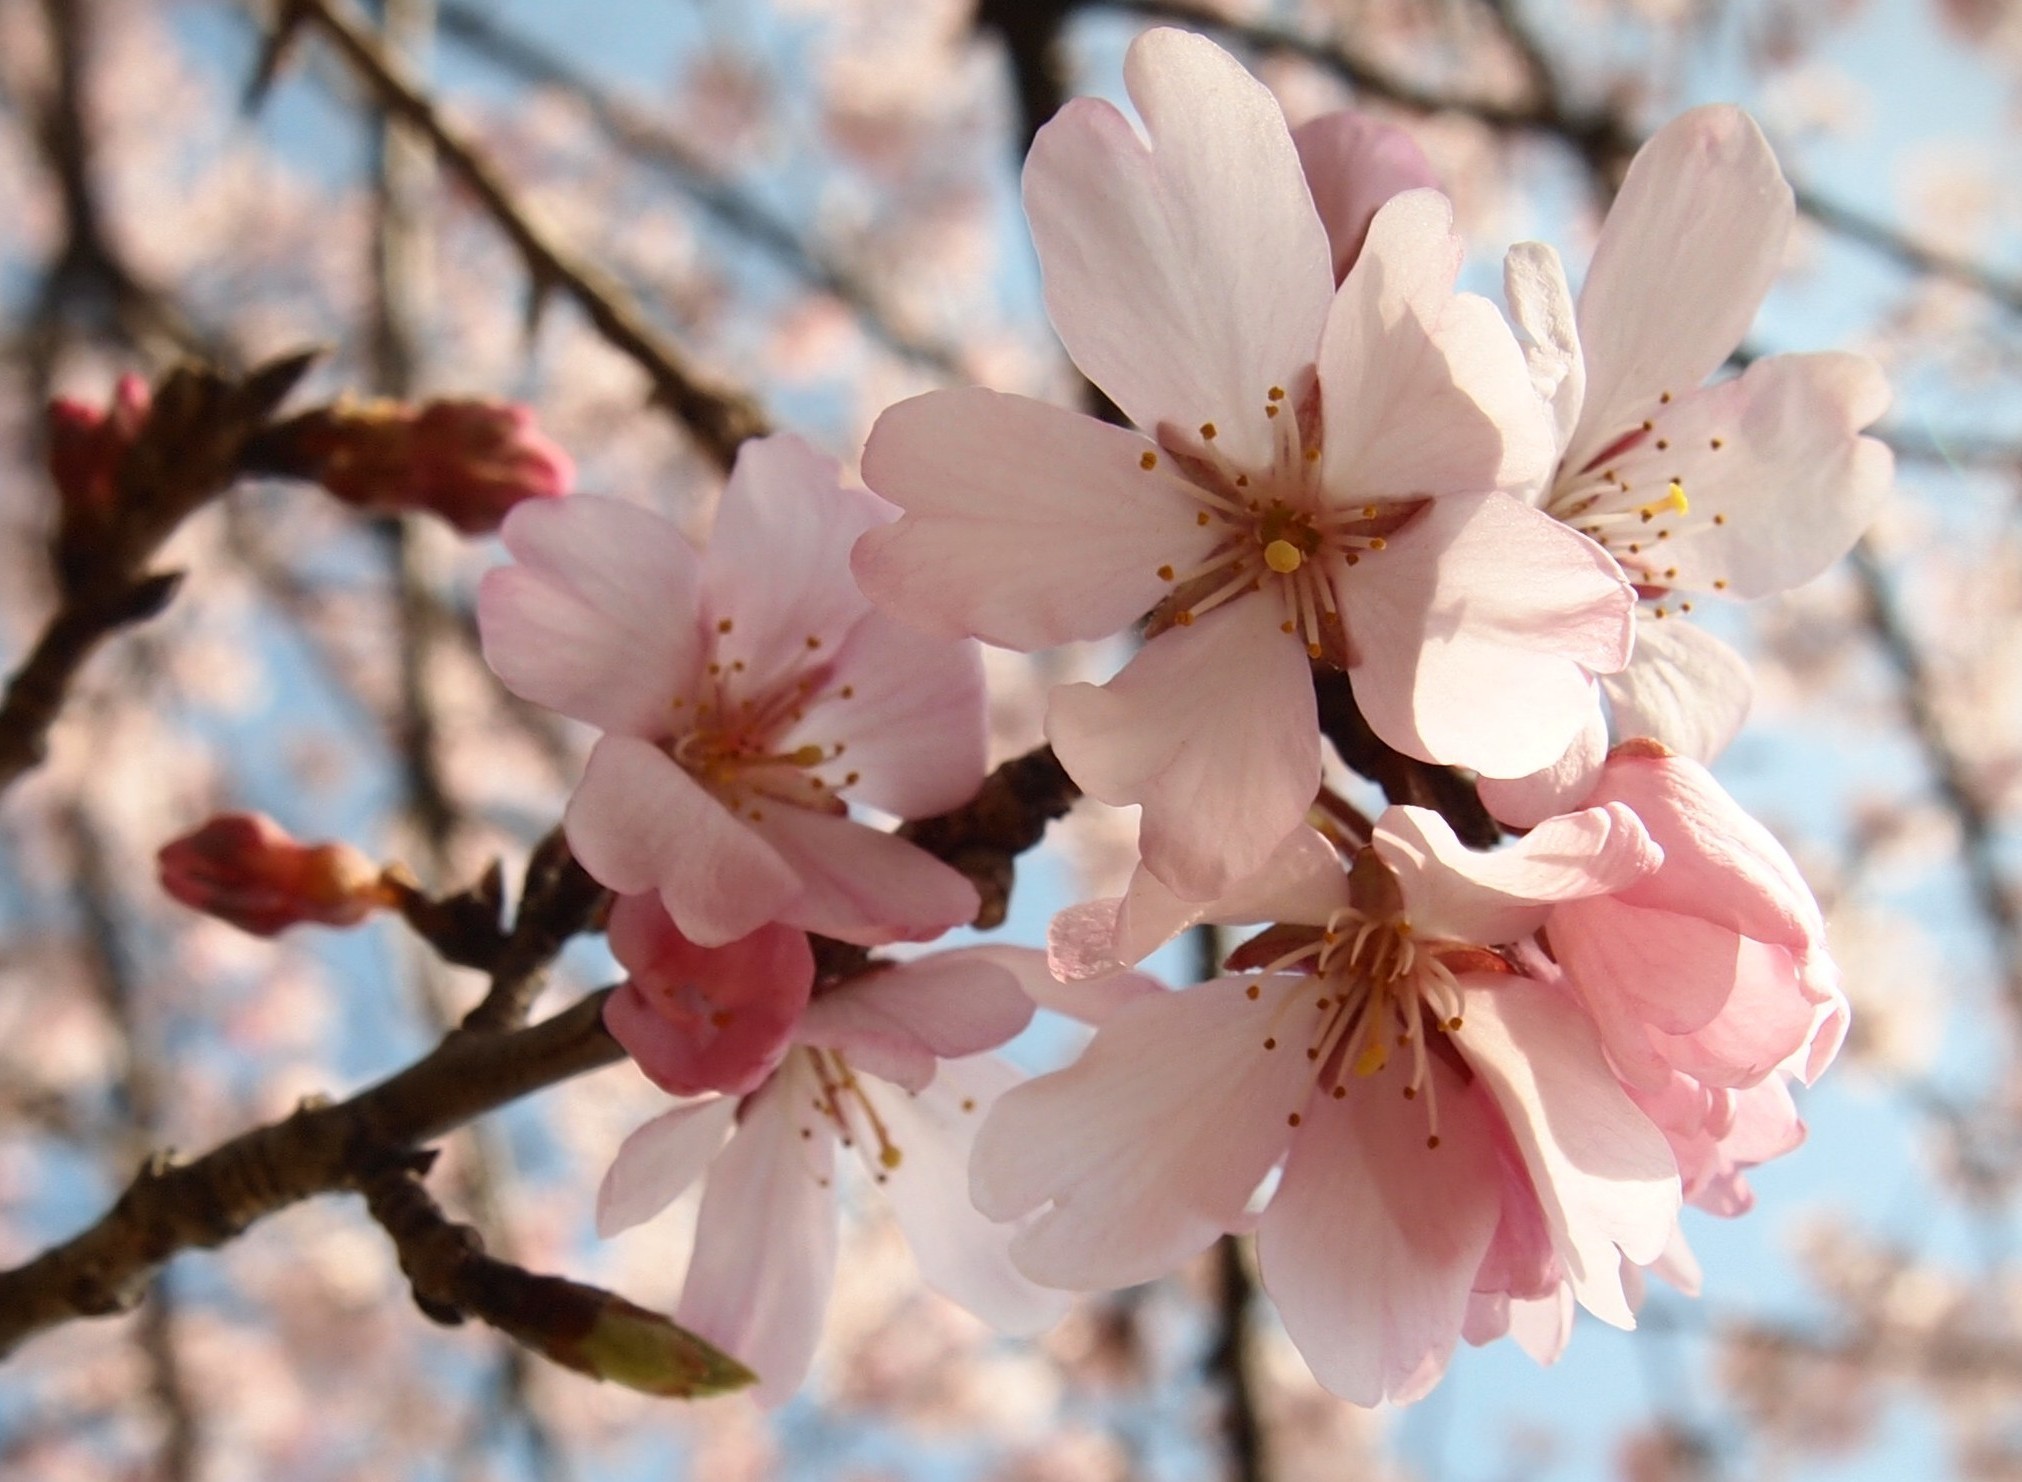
1454,1092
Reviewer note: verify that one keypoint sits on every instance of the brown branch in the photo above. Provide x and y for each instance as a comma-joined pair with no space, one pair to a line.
1229,1363
190,449
719,417
322,1148
635,130
1403,779
984,837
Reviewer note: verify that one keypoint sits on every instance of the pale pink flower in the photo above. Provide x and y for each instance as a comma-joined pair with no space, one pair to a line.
1318,478
745,693
1447,1126
1354,164
1718,1134
1713,966
889,1064
699,1019
1744,487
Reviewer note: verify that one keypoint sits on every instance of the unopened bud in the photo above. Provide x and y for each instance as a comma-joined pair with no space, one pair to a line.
87,446
468,461
245,869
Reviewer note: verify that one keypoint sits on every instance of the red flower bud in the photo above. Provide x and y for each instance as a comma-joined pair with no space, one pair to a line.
467,461
243,868
87,446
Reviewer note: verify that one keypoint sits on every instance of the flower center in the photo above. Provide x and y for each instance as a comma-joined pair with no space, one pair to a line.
1279,535
1631,498
842,1103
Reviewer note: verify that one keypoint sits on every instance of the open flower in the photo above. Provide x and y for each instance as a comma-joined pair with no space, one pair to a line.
746,692
890,1065
1317,477
1447,1125
1745,487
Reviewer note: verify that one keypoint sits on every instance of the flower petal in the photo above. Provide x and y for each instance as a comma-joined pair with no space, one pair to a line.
657,1163
598,620
1475,632
1602,1170
1534,282
1525,802
1354,163
862,885
1025,525
896,1021
1423,392
1186,272
1683,687
1686,254
1212,728
909,709
961,1254
1150,1145
638,822
1503,895
1370,1245
765,1241
777,564
1778,481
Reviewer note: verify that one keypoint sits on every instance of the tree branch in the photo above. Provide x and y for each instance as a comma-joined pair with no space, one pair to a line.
718,416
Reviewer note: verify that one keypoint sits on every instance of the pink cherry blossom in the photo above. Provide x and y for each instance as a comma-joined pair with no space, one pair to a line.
1715,964
1446,1125
890,1065
699,1019
1353,164
745,692
1319,476
1744,487
244,868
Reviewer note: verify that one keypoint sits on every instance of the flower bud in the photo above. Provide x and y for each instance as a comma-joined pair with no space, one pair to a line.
87,446
468,461
699,1019
243,868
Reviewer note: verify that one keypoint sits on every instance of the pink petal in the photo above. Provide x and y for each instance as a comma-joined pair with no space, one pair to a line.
896,1021
1025,525
777,566
638,823
1370,1245
1150,1145
1776,455
1212,728
657,1163
1540,303
701,1019
912,721
1353,164
862,885
1423,392
598,621
1719,863
1689,248
1764,1021
1186,272
1505,894
1656,968
1542,1326
1603,1172
1476,631
1524,802
961,1255
765,1242
1683,687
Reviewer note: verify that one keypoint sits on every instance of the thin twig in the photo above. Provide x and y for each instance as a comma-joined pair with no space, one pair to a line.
719,417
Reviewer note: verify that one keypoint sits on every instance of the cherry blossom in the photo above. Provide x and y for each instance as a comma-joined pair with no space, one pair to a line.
1320,476
1714,965
747,693
244,868
1447,1126
890,1065
1744,487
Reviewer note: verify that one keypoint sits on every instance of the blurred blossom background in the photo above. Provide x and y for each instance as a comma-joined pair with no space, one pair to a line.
817,199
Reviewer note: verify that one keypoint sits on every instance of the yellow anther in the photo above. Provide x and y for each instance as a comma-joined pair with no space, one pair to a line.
890,1156
1378,543
805,756
1148,462
1375,1055
1283,557
1674,496
1208,431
